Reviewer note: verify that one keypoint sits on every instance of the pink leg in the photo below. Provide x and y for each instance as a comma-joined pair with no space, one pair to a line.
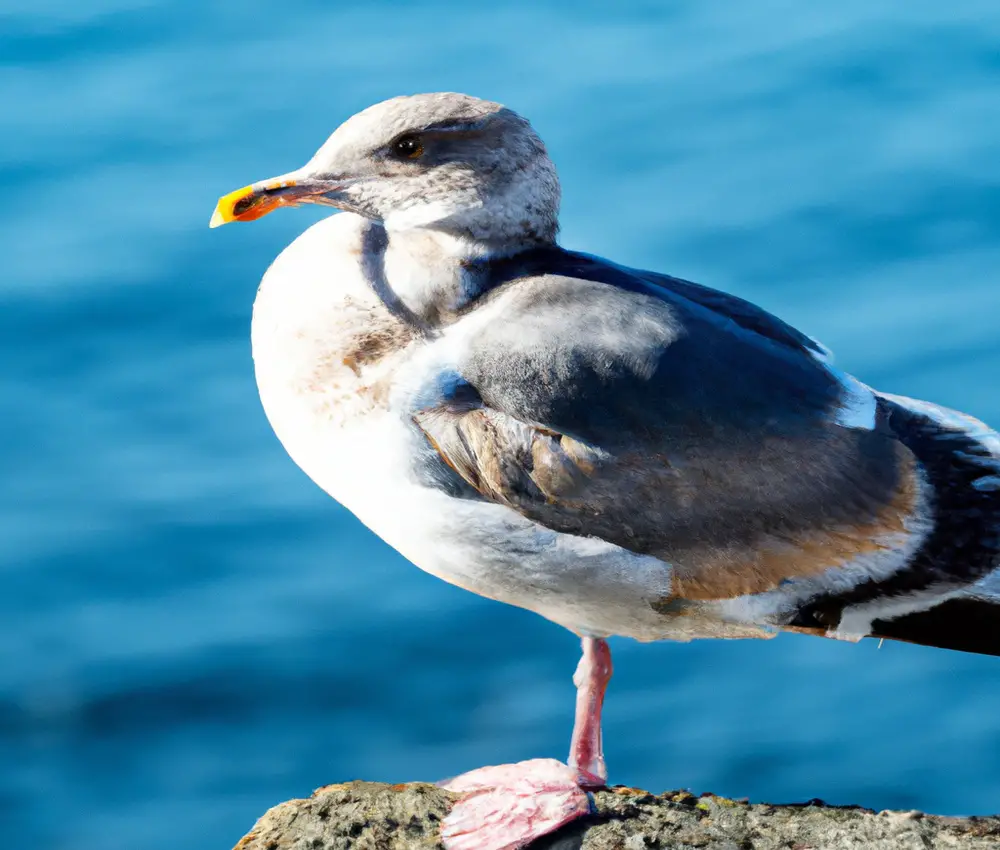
509,806
586,754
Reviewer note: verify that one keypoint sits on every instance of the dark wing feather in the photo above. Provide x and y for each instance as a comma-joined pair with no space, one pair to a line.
657,424
678,421
965,623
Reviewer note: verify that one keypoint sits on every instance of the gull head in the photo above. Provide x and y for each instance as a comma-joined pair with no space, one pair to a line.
445,161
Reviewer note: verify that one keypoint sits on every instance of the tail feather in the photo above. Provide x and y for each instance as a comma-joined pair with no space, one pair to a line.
964,623
948,594
970,620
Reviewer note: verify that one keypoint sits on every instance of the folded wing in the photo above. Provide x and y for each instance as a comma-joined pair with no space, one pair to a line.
679,422
666,428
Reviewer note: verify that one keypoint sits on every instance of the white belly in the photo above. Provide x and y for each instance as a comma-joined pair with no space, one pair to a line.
586,585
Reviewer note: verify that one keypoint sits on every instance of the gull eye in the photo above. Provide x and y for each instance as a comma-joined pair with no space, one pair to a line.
408,147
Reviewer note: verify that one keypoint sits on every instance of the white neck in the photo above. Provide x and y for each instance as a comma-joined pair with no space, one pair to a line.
431,272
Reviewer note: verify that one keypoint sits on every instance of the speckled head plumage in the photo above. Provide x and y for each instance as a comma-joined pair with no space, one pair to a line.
443,161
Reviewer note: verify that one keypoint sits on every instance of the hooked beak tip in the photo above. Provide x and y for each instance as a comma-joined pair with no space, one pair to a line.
240,206
258,199
255,201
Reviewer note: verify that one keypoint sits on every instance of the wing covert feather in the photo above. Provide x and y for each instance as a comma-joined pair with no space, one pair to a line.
660,427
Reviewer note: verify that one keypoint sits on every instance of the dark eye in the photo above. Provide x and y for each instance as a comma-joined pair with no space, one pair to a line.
408,147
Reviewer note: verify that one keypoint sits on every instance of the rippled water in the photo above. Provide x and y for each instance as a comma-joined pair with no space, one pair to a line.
193,632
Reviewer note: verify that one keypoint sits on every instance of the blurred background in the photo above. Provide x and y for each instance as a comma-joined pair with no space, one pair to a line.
192,631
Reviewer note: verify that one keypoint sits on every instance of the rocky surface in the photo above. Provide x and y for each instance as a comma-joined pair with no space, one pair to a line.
373,816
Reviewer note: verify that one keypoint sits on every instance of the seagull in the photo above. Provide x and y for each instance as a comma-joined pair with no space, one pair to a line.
620,451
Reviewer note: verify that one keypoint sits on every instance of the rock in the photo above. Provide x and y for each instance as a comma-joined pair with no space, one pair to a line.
374,816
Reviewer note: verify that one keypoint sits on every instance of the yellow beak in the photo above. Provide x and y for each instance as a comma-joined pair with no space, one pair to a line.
257,200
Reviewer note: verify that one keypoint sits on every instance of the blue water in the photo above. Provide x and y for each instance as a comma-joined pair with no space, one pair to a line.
193,632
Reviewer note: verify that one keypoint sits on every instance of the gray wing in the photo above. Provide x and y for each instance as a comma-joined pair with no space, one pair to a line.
666,428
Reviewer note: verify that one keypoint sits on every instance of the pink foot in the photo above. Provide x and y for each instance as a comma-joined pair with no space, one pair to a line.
508,806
